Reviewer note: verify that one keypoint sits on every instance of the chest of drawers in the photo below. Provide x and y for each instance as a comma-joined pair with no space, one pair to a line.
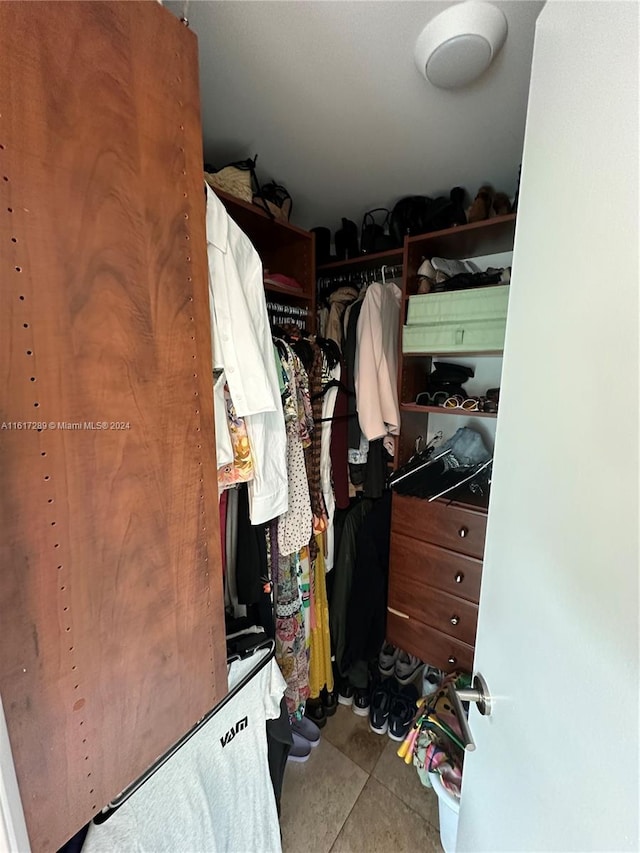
435,568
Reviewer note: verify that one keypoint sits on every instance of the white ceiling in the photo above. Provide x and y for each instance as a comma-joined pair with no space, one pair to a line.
326,92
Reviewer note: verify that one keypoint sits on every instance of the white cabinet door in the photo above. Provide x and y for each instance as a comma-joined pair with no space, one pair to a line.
556,765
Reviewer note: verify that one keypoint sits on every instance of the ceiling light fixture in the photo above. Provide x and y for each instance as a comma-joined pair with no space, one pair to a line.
459,44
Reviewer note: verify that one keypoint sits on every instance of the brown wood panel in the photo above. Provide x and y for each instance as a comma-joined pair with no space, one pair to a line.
447,613
110,585
428,644
450,526
424,566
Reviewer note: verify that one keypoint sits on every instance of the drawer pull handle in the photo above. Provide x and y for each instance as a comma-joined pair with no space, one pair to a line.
398,613
452,660
454,620
463,532
459,577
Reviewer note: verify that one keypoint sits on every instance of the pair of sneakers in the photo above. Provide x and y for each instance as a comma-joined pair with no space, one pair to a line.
306,736
393,707
393,661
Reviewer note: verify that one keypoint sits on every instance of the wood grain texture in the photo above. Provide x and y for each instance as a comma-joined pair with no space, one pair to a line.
430,645
441,523
110,581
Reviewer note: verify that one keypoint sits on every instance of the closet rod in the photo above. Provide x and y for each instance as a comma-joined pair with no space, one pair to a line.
115,804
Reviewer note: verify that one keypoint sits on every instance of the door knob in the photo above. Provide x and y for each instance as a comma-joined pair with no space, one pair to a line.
462,532
479,694
454,620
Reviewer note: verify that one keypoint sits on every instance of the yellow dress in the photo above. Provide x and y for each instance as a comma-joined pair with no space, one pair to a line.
320,670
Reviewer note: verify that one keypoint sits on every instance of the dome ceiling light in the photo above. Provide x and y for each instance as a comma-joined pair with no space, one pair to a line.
459,44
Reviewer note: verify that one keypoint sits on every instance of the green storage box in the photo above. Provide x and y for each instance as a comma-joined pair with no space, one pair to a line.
481,303
457,337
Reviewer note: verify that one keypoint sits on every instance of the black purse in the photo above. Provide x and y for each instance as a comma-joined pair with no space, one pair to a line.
374,237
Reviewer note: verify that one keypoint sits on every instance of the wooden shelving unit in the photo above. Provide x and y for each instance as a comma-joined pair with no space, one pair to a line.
283,248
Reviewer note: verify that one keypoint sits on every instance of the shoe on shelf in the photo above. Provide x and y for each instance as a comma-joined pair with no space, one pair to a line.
361,702
431,678
407,667
345,693
307,729
329,701
314,710
387,659
382,697
300,750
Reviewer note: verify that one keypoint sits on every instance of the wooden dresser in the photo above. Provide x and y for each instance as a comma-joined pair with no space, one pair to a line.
434,579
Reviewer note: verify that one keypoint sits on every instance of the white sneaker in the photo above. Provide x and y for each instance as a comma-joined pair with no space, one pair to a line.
387,659
431,679
406,667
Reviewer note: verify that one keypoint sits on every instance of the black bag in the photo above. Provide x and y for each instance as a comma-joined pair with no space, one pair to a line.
416,214
419,214
375,237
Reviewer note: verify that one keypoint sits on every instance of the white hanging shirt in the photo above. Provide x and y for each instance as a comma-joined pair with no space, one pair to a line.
243,348
215,794
376,366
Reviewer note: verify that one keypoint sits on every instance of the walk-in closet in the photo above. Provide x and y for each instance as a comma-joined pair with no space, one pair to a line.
313,535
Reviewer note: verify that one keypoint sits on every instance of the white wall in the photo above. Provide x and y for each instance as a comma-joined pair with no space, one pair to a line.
556,766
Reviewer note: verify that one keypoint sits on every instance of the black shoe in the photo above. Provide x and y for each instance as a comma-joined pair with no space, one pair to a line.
382,697
314,710
345,693
361,702
329,701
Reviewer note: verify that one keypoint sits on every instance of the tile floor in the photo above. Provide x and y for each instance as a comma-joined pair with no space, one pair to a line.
354,794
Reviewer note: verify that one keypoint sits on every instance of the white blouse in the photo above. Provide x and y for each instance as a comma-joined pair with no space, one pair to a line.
242,347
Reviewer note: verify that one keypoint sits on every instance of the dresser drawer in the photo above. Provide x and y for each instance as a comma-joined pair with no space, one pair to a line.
439,610
429,645
420,563
453,527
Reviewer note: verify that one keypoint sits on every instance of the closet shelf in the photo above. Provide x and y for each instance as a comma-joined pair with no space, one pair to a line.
440,410
487,237
243,212
364,262
296,295
452,354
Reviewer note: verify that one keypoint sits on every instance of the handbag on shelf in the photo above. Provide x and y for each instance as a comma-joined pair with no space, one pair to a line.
374,237
275,199
238,179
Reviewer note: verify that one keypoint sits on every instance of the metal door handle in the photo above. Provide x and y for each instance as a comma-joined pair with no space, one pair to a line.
479,694
462,532
454,620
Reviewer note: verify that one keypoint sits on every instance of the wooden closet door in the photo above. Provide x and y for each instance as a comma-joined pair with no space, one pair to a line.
110,579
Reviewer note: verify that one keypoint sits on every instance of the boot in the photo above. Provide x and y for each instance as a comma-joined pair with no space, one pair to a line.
346,240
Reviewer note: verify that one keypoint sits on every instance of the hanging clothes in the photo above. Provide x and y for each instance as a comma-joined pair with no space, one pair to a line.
377,361
242,348
338,301
320,669
326,478
339,447
312,453
295,527
240,468
291,645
